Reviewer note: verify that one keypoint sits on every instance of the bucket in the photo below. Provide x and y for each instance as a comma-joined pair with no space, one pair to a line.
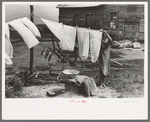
70,73
67,74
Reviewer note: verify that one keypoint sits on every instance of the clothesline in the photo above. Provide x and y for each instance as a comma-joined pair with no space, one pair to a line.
66,41
76,26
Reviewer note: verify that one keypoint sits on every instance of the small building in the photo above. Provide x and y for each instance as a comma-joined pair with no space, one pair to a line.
125,21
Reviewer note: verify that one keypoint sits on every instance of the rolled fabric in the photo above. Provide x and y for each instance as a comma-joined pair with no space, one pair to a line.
25,33
31,26
8,61
83,42
95,44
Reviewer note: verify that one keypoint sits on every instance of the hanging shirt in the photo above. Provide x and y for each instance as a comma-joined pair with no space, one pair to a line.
83,42
8,45
68,38
25,33
56,28
95,44
7,59
30,26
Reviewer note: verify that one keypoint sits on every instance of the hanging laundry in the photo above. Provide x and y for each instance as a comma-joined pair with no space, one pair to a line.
30,26
8,45
68,38
25,33
7,59
7,32
56,28
66,34
95,44
83,42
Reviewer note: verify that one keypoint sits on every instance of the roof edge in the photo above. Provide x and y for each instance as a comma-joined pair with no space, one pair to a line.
77,5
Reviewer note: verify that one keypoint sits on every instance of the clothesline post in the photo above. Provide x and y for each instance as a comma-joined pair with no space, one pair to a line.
31,49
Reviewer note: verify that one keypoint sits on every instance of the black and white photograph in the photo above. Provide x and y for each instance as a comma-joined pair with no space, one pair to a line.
79,52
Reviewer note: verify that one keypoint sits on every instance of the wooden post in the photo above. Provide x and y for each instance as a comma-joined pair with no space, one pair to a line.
31,49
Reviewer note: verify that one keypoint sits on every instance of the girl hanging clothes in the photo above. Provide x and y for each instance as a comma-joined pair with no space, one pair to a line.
104,59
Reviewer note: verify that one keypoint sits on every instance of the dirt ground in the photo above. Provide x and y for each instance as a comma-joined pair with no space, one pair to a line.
125,82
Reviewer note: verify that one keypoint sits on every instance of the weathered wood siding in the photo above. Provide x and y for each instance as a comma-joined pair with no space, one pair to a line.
129,20
66,15
129,23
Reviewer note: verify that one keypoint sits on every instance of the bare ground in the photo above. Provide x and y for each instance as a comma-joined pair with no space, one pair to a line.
125,82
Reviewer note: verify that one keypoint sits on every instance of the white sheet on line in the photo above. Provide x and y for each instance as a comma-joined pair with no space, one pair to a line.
8,45
83,42
8,61
56,28
95,44
31,26
25,33
68,38
66,34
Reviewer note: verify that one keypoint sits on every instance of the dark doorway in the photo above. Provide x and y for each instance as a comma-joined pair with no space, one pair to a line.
76,20
89,20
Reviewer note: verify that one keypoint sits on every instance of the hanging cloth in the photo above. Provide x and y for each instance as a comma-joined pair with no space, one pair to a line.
56,28
8,45
68,38
7,59
7,32
95,44
25,33
31,26
66,34
83,42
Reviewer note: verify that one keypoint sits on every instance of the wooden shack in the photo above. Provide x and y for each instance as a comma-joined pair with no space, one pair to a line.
125,21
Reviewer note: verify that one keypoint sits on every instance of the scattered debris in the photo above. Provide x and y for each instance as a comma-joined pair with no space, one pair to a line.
119,95
101,96
137,45
55,92
117,63
37,75
50,93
